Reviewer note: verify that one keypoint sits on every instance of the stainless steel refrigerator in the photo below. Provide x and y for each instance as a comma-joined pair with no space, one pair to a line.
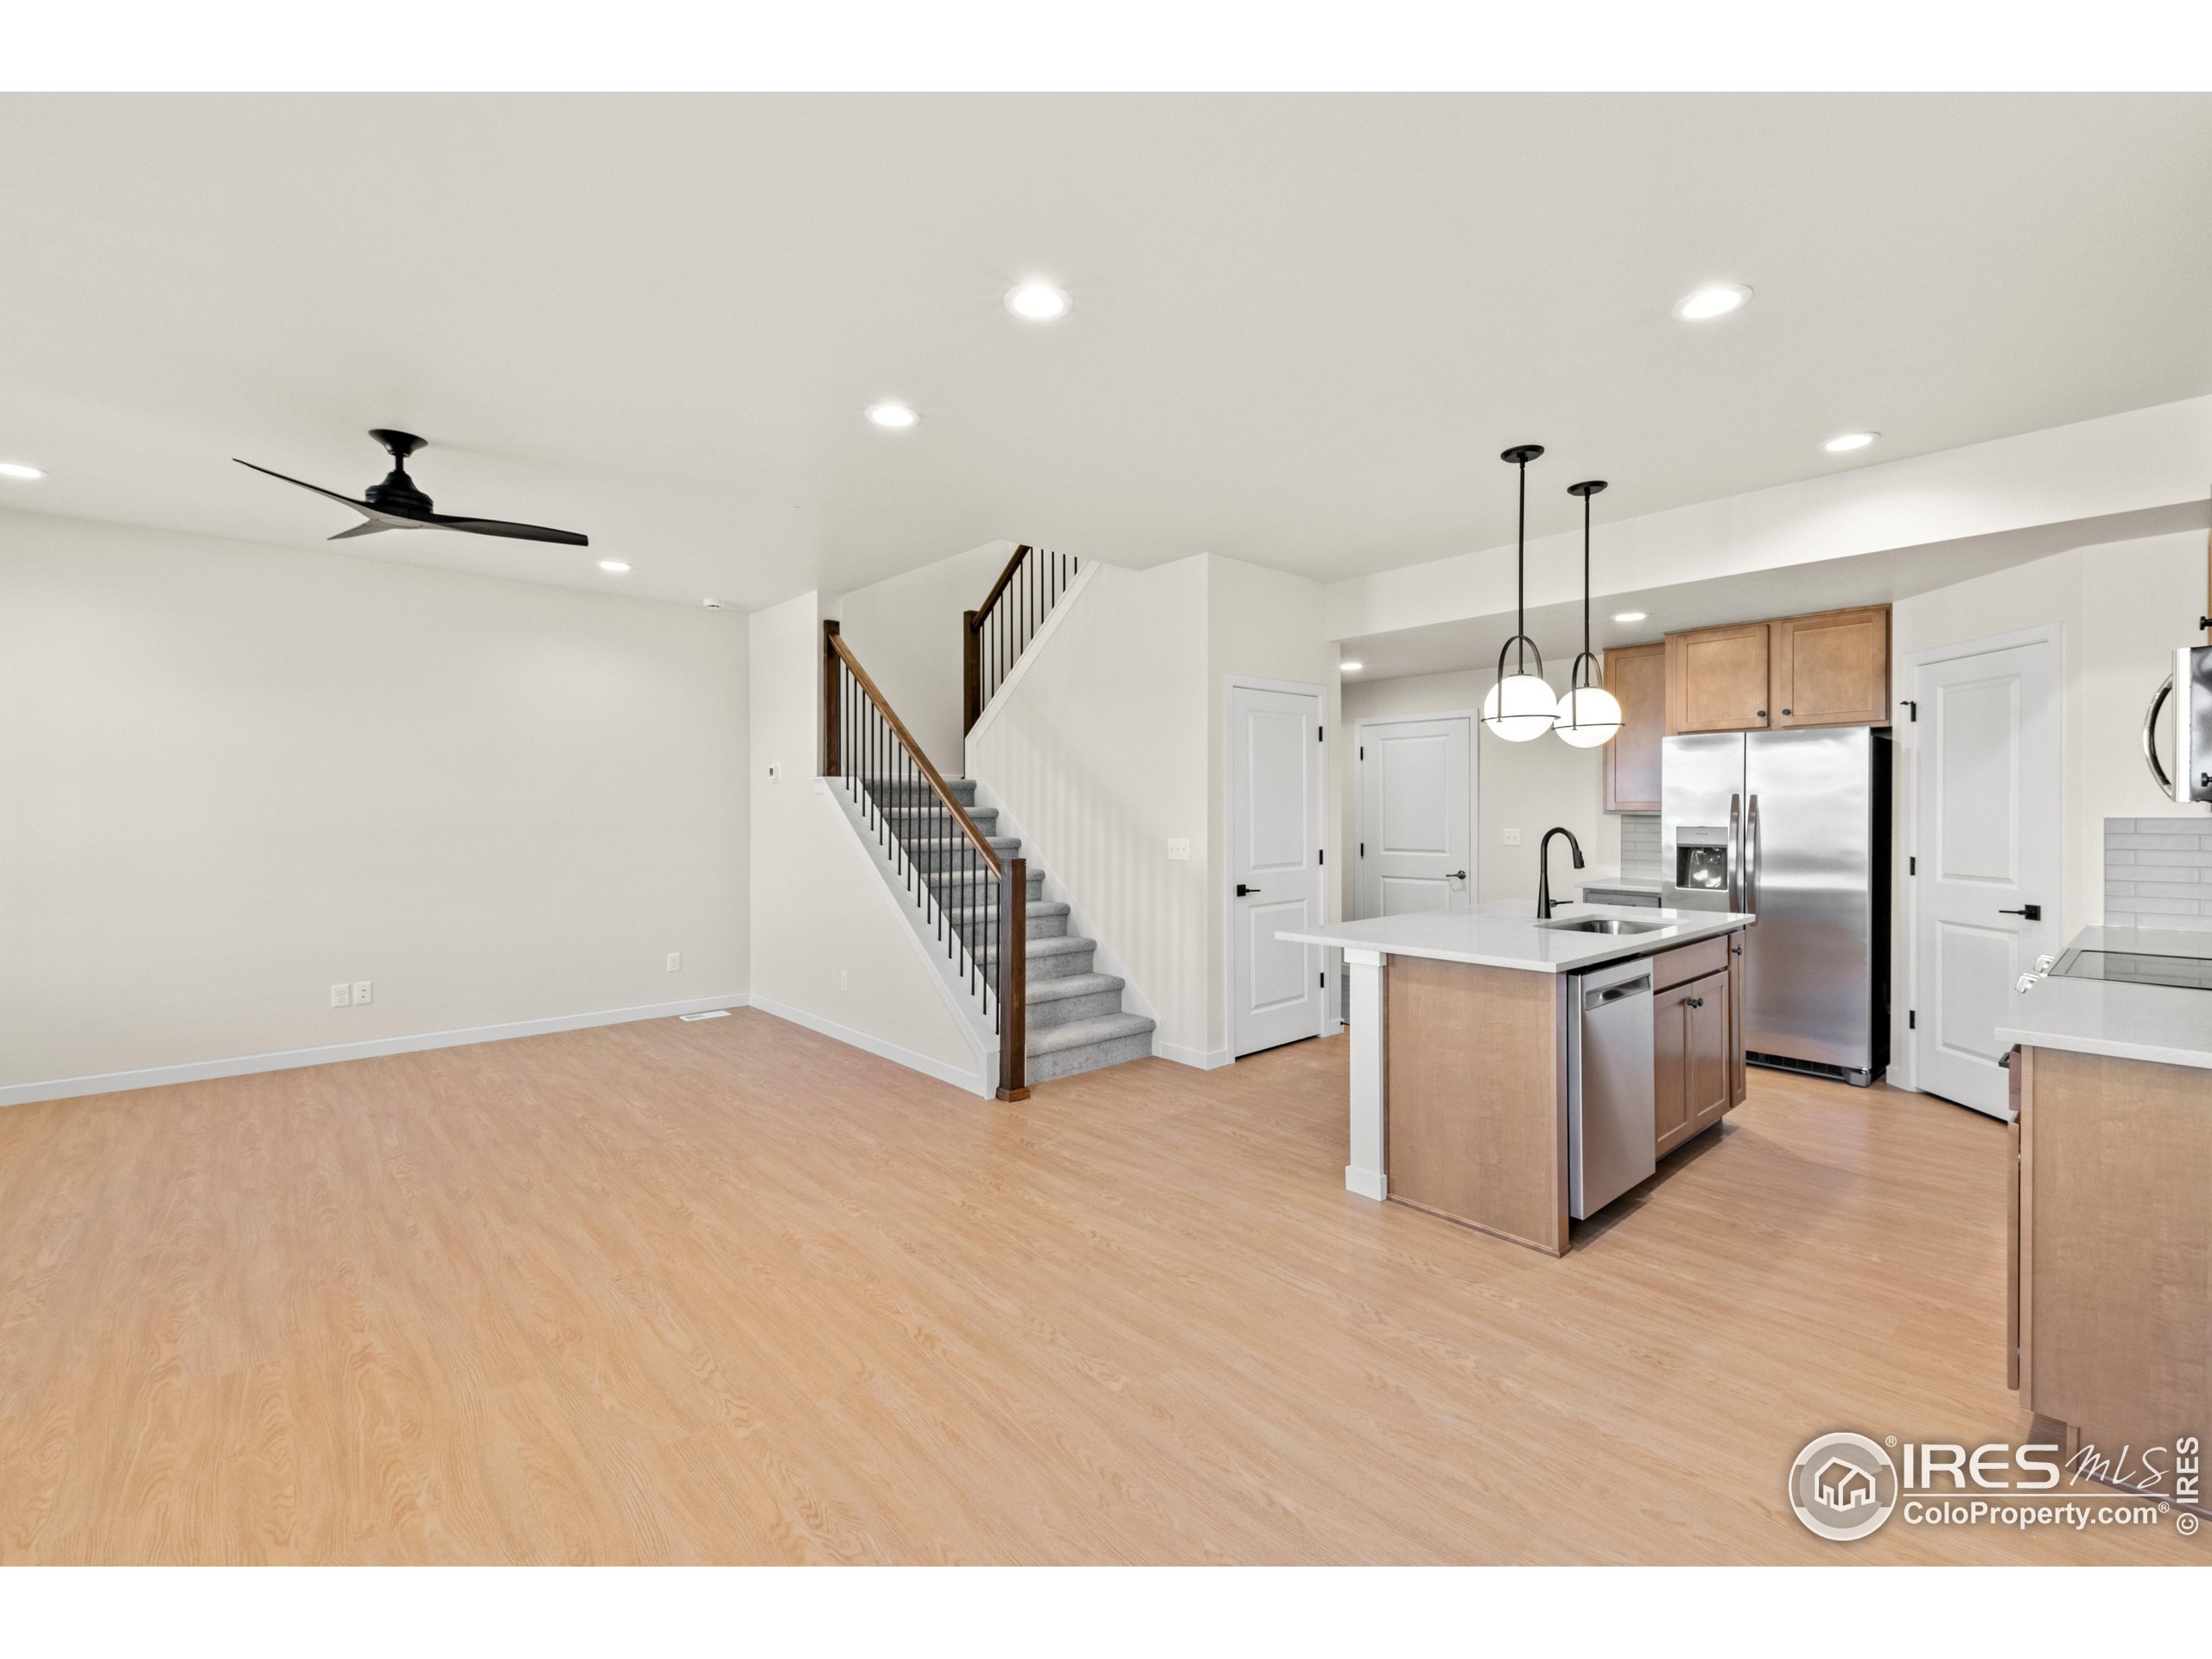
1793,827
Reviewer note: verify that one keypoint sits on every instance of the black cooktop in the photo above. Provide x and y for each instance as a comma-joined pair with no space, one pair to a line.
2138,967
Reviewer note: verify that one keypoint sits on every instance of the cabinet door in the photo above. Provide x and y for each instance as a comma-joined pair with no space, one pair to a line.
1717,679
1637,675
1833,668
1708,1076
1669,1049
1739,1070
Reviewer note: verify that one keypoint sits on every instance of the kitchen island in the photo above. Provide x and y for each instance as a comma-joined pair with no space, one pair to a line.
2111,1279
1466,1031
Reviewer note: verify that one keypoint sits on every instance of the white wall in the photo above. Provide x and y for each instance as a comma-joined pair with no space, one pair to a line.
906,634
2123,608
231,775
820,905
1528,786
1100,755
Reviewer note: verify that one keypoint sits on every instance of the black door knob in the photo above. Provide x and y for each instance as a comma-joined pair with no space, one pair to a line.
1455,875
1242,889
2033,912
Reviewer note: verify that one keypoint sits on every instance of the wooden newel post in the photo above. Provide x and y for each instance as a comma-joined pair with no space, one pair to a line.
972,669
1014,979
829,683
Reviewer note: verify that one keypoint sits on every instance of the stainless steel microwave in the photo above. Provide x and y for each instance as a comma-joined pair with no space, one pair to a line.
2181,713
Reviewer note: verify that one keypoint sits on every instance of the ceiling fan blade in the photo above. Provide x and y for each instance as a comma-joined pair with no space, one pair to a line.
366,527
501,527
358,506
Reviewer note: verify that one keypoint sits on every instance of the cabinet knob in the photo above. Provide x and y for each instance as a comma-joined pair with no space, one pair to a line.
1762,713
1785,711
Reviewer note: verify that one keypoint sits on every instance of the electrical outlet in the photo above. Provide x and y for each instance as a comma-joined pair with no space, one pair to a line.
341,997
1513,837
1179,848
363,992
844,980
775,772
674,961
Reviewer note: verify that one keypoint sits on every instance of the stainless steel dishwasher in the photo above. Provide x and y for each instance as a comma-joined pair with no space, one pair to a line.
1610,1129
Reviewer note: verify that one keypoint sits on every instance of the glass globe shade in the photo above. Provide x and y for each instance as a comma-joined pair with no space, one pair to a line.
1587,717
1520,707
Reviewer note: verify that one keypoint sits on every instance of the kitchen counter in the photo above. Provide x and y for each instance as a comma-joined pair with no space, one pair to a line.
1461,1030
2163,1023
1506,934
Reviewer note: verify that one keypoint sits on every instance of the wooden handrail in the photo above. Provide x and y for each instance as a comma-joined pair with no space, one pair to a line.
998,587
835,643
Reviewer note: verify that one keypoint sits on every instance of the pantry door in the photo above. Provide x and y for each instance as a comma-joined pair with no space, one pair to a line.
1416,808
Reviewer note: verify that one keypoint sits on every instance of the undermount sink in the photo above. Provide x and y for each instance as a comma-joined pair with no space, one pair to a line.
1600,925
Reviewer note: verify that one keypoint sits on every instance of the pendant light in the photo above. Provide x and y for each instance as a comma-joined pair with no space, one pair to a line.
1588,715
1520,706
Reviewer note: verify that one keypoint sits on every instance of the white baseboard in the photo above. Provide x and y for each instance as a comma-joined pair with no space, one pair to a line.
239,1065
1202,1059
911,1058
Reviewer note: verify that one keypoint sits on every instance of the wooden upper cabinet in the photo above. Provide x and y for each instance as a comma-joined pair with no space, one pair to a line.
1833,668
1718,679
1637,675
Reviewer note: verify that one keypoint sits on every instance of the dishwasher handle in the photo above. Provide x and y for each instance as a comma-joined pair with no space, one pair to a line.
1636,987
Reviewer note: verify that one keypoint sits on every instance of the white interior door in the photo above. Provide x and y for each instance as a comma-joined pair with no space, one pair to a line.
1414,815
1275,865
1987,843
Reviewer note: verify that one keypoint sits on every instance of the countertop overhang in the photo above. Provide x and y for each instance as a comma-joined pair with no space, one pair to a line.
2164,1024
1505,934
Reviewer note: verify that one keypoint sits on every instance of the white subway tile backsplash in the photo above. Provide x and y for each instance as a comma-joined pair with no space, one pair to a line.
2158,873
1640,844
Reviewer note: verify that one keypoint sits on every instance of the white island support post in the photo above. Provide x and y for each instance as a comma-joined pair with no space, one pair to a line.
1365,1173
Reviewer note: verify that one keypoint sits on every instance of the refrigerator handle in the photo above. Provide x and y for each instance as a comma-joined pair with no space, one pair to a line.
1751,858
1736,852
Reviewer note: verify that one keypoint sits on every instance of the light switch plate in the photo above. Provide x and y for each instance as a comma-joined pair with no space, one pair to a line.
1513,837
674,961
1179,848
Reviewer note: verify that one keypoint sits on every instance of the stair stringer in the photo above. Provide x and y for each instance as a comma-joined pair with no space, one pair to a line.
1105,958
945,971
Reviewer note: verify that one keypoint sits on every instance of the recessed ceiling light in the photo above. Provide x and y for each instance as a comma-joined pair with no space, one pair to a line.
1717,300
1629,616
892,415
1038,302
1849,441
1352,667
16,469
613,567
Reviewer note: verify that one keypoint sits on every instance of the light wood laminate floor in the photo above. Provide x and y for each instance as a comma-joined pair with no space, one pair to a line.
731,1291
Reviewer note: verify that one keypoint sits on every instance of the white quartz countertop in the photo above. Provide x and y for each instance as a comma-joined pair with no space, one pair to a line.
1505,934
2163,1023
1634,883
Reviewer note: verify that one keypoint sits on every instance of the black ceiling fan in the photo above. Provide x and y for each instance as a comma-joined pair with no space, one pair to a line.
396,504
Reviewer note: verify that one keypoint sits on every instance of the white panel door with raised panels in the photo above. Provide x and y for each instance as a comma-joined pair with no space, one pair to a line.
1274,866
1414,812
1988,844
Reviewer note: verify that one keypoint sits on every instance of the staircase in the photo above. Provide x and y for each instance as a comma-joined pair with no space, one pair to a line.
1075,1019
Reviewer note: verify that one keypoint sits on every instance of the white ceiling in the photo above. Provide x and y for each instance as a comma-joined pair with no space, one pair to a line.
1304,326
